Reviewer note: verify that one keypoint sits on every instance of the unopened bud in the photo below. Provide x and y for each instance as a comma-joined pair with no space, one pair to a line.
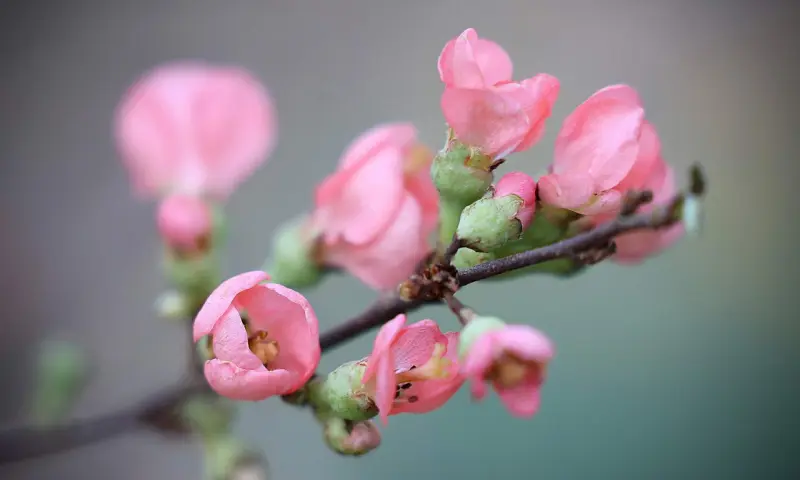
501,216
343,394
293,261
467,258
185,223
461,173
351,438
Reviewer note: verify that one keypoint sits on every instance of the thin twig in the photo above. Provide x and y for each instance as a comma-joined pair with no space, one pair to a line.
461,311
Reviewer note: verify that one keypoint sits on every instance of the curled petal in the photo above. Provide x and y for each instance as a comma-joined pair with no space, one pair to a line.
468,61
221,299
566,191
237,383
382,346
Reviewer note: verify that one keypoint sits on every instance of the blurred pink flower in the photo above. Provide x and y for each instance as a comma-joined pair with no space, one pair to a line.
523,186
375,214
412,369
273,353
194,128
514,359
483,105
604,148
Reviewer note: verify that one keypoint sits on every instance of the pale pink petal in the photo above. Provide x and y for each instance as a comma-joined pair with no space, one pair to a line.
601,137
432,394
235,128
221,299
415,344
524,399
647,160
424,192
401,136
491,120
230,342
480,357
472,62
288,318
383,343
565,191
605,202
523,186
385,386
183,220
543,90
392,258
359,203
523,341
247,385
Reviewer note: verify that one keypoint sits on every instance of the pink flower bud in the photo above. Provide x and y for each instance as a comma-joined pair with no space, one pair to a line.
274,353
523,186
184,222
481,103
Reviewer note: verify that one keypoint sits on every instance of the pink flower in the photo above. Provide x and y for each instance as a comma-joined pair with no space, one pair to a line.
636,246
604,148
514,359
483,105
194,128
523,186
274,352
375,214
412,369
185,222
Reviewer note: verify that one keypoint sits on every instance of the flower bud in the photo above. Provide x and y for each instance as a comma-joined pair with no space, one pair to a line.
500,217
461,173
467,258
185,223
350,438
342,393
293,251
172,305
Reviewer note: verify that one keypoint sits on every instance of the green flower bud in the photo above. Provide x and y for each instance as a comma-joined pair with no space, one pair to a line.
342,394
461,173
472,331
466,258
173,305
351,438
208,415
228,458
293,251
490,223
195,277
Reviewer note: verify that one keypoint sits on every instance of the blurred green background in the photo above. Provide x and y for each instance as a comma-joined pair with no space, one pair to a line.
685,367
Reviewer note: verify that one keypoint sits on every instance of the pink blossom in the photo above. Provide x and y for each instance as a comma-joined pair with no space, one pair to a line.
194,128
184,222
636,246
514,359
604,148
412,369
274,352
483,105
375,214
523,186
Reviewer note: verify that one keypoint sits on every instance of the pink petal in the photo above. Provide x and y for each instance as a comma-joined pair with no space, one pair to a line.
421,187
523,341
543,89
471,62
288,318
221,299
606,202
247,385
393,256
432,394
479,358
647,160
566,191
359,203
492,120
383,343
415,343
401,136
230,342
601,137
523,186
522,400
385,386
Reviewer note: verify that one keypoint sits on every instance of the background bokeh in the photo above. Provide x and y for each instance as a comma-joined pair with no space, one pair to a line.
685,367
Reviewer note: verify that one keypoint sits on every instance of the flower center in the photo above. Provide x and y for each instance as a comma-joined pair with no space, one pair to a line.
436,368
510,371
265,348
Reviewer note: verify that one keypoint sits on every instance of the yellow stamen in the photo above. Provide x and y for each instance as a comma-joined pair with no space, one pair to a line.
436,368
264,348
510,371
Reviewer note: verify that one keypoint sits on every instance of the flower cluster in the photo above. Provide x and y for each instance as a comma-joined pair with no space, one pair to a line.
392,210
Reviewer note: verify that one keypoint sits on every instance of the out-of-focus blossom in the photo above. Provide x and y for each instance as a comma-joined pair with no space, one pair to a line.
375,214
273,352
483,105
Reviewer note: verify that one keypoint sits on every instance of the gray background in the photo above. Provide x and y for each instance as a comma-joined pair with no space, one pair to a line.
685,367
